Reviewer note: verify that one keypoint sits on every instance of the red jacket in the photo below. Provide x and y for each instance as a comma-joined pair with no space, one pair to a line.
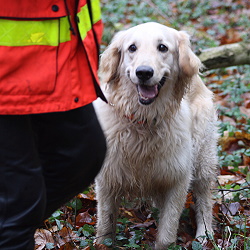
48,55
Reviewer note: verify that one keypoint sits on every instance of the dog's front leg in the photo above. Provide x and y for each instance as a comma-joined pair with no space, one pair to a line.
171,205
107,210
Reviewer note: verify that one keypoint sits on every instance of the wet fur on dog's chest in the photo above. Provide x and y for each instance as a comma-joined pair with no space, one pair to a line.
148,156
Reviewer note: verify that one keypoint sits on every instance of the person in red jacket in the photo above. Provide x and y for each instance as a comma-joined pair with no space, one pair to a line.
51,143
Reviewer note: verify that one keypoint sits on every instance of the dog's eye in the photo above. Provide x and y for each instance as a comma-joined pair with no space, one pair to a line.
132,48
162,48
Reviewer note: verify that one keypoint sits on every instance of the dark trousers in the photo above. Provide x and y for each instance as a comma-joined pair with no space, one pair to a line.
45,160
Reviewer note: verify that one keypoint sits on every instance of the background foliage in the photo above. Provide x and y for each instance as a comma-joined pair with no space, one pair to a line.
210,23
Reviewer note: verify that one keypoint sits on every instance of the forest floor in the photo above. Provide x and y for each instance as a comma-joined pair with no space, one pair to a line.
210,23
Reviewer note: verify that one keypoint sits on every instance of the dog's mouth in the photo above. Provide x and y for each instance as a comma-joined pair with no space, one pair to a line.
148,94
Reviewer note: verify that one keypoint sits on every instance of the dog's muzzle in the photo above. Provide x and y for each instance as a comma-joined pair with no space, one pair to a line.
147,93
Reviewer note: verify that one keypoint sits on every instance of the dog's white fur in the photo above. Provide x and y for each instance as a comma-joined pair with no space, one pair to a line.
156,151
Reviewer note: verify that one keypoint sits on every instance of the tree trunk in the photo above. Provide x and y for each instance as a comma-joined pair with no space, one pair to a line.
225,56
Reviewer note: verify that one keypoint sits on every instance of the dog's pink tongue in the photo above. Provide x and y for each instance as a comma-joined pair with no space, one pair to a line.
148,91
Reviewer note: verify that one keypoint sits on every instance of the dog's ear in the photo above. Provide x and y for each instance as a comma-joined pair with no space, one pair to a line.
189,63
110,59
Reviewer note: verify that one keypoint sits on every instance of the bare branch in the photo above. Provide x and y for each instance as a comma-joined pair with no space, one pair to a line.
231,190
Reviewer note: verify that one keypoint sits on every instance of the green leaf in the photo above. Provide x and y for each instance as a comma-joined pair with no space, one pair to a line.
248,177
247,152
236,187
58,223
132,245
83,243
108,242
173,247
50,245
57,214
88,230
196,245
75,204
121,237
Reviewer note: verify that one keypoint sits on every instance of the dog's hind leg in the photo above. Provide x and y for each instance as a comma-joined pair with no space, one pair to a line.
107,210
203,207
203,183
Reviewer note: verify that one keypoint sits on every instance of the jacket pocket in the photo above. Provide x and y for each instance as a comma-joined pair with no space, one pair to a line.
28,56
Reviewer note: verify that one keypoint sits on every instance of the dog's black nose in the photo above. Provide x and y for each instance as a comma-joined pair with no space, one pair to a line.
144,72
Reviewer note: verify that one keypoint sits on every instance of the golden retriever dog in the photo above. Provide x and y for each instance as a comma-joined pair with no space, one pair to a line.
160,126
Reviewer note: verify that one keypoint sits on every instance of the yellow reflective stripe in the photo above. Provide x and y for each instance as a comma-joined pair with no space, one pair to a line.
84,21
46,32
96,10
26,33
84,17
64,30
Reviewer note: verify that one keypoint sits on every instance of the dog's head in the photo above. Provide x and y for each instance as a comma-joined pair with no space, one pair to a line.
151,57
